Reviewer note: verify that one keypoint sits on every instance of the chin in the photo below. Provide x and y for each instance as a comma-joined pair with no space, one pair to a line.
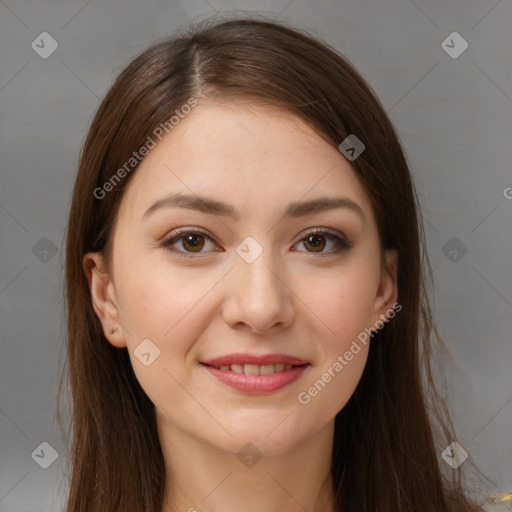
260,436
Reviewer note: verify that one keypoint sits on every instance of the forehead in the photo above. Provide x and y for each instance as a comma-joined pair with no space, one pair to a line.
252,156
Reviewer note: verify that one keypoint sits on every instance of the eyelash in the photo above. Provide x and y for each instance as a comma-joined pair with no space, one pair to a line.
343,245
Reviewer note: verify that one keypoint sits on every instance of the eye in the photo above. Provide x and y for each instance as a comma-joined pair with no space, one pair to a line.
192,241
315,240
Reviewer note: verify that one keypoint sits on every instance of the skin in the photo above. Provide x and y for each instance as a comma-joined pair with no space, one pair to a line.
289,300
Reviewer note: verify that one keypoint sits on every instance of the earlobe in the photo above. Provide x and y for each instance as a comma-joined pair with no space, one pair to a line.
103,297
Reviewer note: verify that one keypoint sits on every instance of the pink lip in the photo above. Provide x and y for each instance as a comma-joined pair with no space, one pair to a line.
254,359
257,384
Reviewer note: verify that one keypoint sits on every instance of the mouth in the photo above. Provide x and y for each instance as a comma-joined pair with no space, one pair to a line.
254,369
256,375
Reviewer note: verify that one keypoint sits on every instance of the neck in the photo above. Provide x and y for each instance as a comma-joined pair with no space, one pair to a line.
200,476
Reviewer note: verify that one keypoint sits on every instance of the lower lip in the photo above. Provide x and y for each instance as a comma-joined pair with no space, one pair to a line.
257,384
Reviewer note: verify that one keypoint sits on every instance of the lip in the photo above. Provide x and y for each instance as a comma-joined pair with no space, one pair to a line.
255,359
257,384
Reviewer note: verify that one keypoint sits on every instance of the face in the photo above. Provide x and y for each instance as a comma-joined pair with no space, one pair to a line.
199,285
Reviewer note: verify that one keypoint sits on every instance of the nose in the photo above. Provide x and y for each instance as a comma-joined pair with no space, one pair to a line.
258,297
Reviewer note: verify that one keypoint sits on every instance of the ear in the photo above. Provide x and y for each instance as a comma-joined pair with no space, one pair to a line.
387,292
103,297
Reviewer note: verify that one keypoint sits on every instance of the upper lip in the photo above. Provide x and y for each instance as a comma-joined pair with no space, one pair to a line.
255,359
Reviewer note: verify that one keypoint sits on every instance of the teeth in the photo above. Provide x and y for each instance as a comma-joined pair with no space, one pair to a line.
254,369
266,369
237,368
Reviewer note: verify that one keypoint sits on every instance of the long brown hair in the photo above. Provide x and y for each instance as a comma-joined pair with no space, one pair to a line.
389,436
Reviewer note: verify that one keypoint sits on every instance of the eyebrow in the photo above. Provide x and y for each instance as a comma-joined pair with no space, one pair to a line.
212,206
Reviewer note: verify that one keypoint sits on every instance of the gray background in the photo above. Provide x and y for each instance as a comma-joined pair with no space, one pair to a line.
454,119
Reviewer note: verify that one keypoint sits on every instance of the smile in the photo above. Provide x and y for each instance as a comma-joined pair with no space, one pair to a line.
256,379
254,369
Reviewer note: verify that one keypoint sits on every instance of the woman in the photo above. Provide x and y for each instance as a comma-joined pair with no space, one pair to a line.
248,324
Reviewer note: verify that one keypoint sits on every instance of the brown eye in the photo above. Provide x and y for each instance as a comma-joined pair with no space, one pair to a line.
192,241
316,241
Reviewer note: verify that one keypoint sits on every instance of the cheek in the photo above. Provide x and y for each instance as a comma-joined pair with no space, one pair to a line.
345,305
154,296
166,310
333,382
168,307
343,301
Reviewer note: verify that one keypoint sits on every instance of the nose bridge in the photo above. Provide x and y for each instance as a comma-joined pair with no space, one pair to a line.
256,268
258,296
